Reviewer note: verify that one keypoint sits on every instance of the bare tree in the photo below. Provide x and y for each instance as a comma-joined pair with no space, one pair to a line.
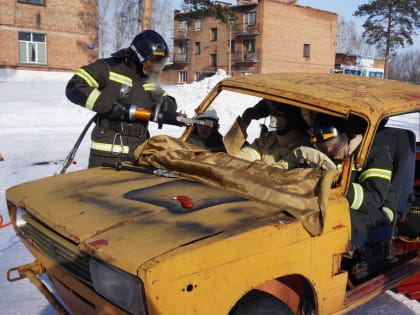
126,22
121,20
103,26
405,66
367,49
163,18
350,41
413,66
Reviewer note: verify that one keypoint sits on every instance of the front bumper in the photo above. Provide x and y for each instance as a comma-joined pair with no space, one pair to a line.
65,265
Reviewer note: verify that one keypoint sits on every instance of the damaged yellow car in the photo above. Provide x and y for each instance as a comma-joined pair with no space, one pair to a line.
183,230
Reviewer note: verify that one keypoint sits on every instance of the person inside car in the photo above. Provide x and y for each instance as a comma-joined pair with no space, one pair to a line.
370,185
205,136
287,131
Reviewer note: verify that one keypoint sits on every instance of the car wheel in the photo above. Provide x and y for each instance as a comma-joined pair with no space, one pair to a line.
260,303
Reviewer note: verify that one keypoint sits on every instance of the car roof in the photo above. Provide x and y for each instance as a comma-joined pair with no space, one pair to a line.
338,94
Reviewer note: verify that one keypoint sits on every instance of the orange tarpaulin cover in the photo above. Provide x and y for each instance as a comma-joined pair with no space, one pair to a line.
302,192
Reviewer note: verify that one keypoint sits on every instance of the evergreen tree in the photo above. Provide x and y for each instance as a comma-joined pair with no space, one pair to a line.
390,24
203,8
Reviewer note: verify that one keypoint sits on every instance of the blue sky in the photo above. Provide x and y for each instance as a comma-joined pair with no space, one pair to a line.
344,8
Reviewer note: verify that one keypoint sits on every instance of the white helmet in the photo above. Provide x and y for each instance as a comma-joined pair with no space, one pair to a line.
209,114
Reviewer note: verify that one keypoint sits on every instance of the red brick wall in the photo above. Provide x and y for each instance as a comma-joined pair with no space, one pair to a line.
283,31
351,60
379,63
287,28
69,25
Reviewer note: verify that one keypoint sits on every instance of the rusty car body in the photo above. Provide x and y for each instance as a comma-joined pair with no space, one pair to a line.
118,241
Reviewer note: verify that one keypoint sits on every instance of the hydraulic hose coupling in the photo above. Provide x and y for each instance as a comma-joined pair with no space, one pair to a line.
138,113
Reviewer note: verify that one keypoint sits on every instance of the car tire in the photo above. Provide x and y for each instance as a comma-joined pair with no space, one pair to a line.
260,303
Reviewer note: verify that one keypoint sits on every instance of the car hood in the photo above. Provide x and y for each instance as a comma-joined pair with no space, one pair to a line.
113,213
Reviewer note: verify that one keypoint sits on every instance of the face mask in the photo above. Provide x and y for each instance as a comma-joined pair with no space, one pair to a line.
154,66
333,147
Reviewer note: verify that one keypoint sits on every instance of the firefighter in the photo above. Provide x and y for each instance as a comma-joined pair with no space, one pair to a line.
287,130
371,221
205,136
125,93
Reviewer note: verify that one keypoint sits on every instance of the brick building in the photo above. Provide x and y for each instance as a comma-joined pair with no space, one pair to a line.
265,36
48,35
359,65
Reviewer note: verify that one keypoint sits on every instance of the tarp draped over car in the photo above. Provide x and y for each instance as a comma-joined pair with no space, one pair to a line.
302,192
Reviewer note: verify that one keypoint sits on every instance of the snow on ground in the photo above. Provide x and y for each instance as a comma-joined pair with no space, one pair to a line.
39,126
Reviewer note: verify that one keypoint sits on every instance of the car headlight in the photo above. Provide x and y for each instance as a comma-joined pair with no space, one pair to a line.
20,214
119,287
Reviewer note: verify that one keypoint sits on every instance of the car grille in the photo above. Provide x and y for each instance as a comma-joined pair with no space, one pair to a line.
60,250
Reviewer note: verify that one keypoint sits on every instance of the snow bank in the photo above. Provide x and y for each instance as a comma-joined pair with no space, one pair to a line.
11,75
46,132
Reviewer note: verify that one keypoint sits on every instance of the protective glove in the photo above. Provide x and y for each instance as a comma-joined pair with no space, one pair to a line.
260,110
264,108
118,112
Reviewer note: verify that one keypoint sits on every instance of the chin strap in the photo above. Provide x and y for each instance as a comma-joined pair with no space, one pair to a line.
139,56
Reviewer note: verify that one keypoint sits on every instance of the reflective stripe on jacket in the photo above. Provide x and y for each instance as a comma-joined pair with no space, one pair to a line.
102,84
111,148
371,184
98,86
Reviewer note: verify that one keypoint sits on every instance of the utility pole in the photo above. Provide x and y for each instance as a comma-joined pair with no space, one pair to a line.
147,17
231,21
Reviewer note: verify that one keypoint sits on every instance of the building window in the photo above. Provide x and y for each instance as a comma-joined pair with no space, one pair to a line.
197,48
196,76
250,18
306,50
213,35
183,25
376,74
249,45
213,59
39,2
232,46
182,48
353,71
198,24
182,77
32,48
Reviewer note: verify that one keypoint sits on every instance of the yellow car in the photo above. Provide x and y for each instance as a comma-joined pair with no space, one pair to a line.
183,230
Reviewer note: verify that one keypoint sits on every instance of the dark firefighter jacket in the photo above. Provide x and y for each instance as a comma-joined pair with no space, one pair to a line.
371,184
401,144
100,85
